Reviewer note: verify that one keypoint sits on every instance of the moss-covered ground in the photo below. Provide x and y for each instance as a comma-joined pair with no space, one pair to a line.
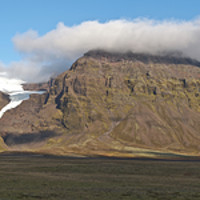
31,177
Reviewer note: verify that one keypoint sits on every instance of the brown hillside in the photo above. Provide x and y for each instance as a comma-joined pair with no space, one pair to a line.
113,104
4,99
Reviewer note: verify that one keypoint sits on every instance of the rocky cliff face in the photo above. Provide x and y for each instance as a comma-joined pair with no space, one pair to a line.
113,104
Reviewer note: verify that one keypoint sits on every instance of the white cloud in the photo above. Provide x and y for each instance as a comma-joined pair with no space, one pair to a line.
50,53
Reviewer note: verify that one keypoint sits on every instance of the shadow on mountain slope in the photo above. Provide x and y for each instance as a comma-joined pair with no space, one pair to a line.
11,139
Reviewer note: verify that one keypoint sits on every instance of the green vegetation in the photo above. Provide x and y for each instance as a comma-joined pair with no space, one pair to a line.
31,177
2,145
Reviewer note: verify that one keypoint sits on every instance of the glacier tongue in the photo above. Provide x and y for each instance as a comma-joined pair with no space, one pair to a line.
9,106
16,99
13,87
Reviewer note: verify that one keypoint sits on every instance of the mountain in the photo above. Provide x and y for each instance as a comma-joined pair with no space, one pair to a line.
112,104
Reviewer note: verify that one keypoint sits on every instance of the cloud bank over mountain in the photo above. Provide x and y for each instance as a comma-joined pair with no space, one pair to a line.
49,54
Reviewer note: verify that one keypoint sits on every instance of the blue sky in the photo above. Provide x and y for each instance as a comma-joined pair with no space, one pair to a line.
19,16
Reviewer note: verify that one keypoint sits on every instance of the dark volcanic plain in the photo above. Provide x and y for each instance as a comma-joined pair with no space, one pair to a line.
29,176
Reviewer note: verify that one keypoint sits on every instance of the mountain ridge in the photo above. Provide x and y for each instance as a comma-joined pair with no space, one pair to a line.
164,58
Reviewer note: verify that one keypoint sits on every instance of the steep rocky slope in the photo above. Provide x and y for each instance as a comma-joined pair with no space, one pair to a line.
113,104
4,99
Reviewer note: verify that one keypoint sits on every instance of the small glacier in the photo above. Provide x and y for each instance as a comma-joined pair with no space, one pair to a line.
14,88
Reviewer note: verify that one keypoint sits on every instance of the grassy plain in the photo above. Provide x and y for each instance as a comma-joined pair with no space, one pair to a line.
32,177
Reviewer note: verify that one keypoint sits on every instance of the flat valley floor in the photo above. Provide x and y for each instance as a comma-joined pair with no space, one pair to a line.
29,177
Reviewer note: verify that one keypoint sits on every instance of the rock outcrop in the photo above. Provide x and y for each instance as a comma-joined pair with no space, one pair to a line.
114,105
4,99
